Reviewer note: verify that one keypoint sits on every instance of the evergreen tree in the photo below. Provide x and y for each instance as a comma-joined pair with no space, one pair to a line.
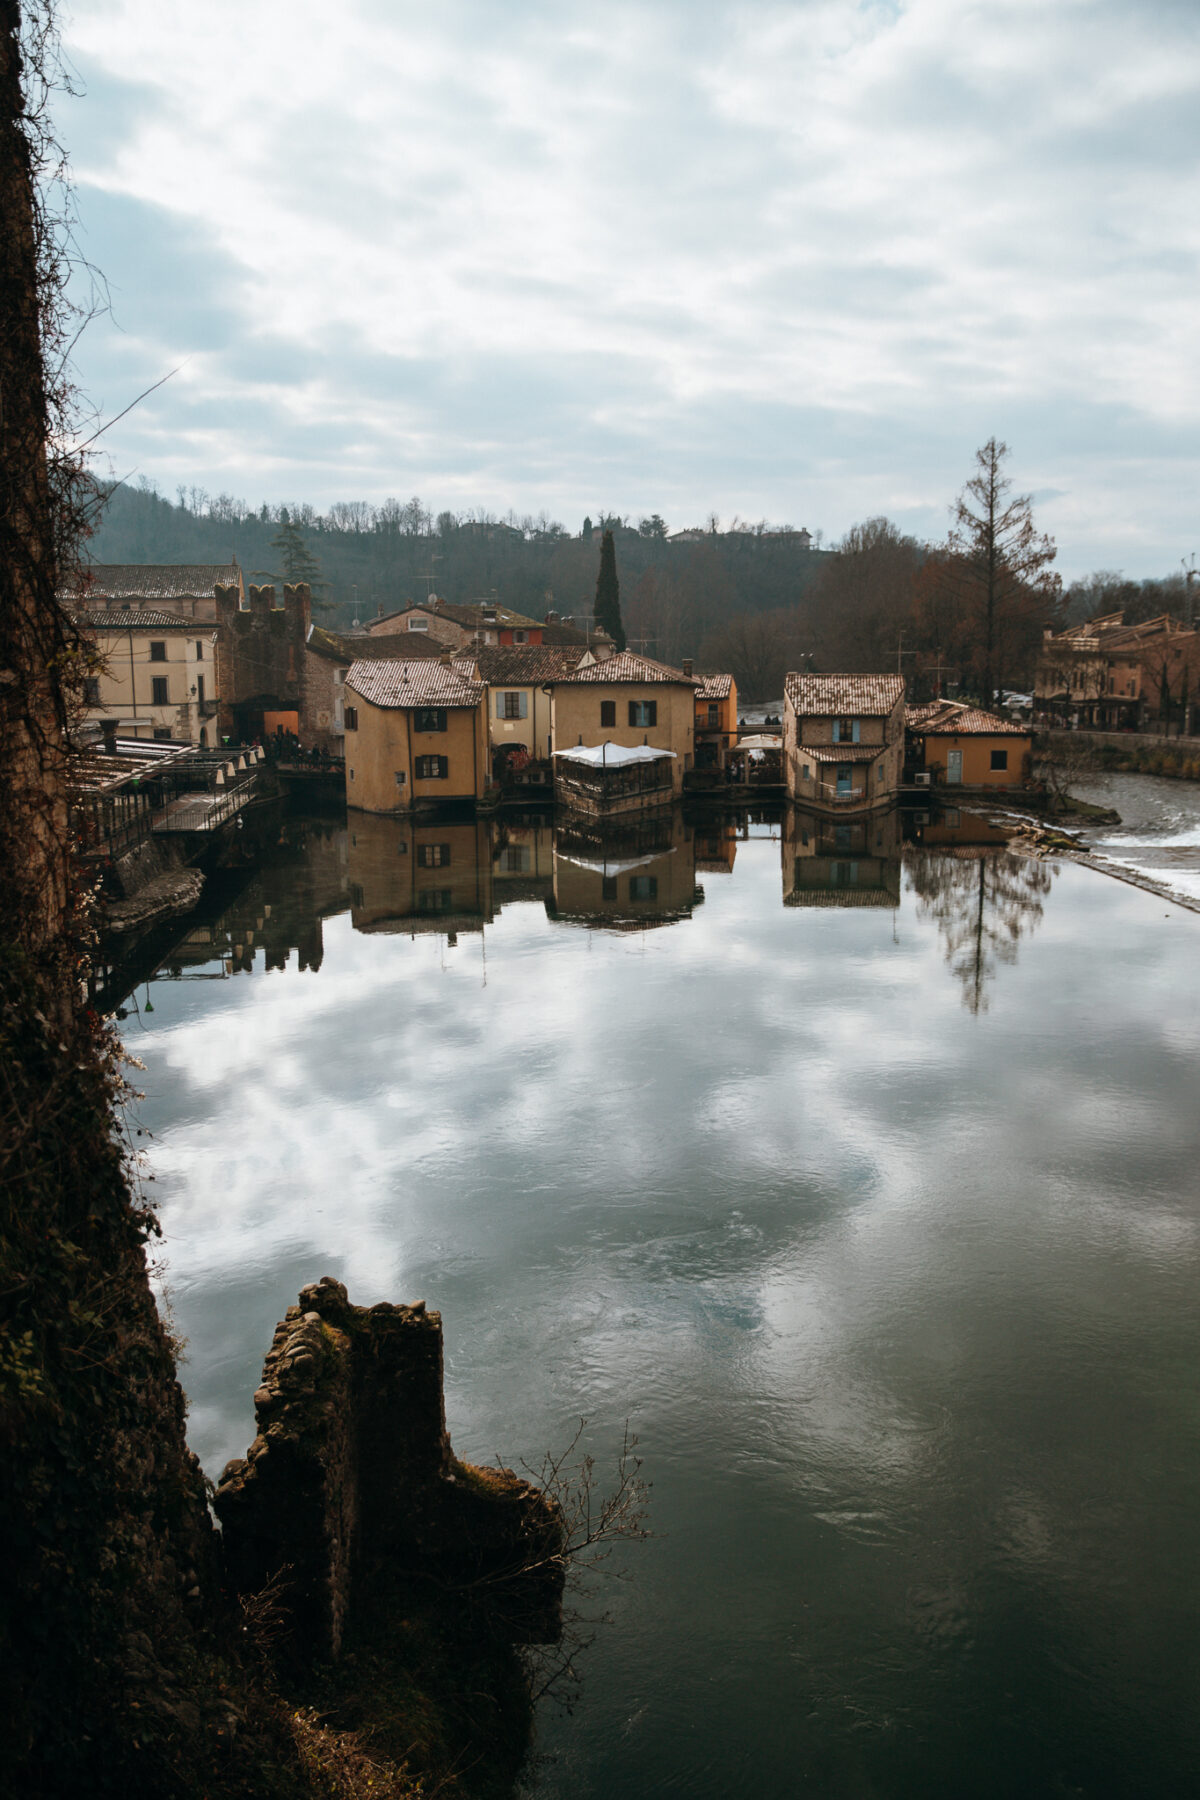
608,593
299,563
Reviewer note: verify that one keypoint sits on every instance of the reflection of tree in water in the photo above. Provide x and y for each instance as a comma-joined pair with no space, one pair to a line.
981,901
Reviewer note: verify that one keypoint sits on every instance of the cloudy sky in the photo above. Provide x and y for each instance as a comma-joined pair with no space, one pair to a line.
686,255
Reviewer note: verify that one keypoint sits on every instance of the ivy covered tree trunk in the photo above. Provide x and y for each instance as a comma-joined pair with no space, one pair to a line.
102,1510
33,821
608,593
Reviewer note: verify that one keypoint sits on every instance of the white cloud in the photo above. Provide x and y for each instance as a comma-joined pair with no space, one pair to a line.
789,259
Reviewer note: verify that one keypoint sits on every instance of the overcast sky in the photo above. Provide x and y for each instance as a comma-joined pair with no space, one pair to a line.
686,256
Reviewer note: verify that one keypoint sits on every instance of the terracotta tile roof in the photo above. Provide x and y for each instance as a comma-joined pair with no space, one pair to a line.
425,682
949,718
841,753
501,664
625,666
150,581
348,647
469,617
714,687
138,618
825,696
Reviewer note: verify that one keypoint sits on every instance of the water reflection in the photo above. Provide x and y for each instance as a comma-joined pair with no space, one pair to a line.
625,880
982,899
898,1298
841,862
454,875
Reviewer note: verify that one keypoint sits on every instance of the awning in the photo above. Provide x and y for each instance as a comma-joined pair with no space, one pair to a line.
612,756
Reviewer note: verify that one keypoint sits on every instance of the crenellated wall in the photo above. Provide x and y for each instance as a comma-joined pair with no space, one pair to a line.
260,656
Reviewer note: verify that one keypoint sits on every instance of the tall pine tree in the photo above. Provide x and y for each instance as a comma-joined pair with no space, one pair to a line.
608,593
299,563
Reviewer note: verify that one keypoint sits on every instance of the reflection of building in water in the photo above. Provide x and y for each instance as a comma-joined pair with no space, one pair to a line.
841,862
420,875
715,847
522,850
982,900
949,825
628,880
301,881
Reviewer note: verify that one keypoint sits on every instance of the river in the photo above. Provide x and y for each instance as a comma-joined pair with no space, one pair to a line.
858,1175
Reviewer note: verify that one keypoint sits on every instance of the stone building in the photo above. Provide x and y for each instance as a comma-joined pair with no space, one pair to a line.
843,739
186,590
261,665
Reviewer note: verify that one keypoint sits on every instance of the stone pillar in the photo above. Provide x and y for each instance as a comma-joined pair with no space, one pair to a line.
351,1477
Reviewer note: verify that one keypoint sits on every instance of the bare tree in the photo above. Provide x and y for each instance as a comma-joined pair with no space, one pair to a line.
1000,563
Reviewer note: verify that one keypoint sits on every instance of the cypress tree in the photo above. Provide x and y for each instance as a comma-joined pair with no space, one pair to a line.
608,593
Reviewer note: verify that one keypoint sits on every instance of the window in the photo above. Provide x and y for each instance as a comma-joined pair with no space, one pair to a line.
352,774
163,736
200,689
432,768
418,624
433,856
515,859
845,731
1000,759
512,706
608,713
643,887
643,712
401,848
438,900
339,675
429,718
159,689
158,650
91,690
805,772
401,778
714,716
350,718
520,637
199,650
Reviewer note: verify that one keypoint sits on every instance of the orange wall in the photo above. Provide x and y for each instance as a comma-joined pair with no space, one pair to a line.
976,765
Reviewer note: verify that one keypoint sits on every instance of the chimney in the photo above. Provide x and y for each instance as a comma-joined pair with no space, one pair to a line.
379,609
687,666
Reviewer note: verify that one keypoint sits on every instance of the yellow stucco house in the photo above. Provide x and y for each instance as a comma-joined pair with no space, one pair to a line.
517,678
631,703
716,723
153,672
416,735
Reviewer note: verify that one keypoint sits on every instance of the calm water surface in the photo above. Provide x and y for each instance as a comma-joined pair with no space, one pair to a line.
861,1178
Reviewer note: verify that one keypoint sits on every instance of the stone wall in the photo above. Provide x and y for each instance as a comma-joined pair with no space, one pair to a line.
260,655
351,1477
